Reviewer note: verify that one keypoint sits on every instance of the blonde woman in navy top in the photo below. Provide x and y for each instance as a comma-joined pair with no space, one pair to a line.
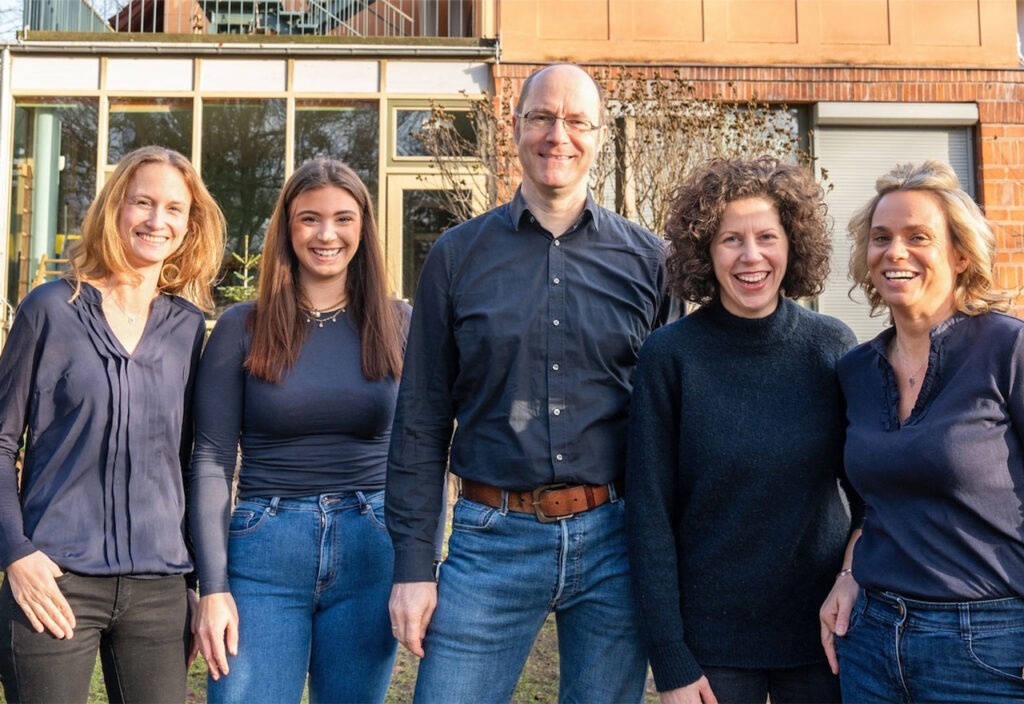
928,605
294,580
96,374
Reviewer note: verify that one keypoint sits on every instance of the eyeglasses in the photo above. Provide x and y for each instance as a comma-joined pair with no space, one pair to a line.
535,120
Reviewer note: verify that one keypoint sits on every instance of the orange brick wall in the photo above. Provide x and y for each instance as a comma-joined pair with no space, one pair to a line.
999,94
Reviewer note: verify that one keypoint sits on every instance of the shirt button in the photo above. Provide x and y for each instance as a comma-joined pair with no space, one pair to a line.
555,323
557,280
557,412
555,367
557,243
558,457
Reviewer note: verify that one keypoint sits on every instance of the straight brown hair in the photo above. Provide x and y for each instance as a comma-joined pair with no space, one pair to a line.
278,327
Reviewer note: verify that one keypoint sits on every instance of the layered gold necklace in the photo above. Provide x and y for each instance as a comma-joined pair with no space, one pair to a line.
330,314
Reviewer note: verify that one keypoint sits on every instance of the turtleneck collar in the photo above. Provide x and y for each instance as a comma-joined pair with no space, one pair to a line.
754,332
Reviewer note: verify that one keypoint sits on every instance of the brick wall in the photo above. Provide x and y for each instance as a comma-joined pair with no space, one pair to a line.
999,94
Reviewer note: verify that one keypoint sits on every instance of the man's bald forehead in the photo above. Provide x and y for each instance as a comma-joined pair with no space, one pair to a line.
531,79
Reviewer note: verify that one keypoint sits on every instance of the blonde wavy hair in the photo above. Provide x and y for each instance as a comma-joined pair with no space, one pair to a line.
190,271
975,291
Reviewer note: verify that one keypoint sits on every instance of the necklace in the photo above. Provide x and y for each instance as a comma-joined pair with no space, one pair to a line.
313,314
913,377
131,318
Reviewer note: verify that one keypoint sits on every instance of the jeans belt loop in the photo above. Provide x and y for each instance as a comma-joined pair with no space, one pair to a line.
272,510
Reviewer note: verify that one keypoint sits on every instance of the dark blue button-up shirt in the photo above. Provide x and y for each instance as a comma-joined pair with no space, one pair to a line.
101,489
528,342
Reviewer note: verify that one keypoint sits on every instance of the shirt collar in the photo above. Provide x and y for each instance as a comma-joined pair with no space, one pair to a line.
519,209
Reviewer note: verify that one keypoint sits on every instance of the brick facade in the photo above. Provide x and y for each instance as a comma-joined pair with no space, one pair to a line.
999,136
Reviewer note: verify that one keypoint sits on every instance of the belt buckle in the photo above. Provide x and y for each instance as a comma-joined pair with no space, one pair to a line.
539,512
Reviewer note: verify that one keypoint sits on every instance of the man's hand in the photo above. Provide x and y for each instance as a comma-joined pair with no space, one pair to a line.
412,606
33,581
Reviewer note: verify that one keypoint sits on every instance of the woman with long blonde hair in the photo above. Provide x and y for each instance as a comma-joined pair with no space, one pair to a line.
97,375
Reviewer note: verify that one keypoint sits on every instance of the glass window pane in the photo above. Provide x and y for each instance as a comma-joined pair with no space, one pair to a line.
411,126
423,221
54,181
243,164
138,123
349,131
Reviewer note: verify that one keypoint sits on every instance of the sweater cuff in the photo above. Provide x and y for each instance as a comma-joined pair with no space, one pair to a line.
674,666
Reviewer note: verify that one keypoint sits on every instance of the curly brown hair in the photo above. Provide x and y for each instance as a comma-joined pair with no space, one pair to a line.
696,213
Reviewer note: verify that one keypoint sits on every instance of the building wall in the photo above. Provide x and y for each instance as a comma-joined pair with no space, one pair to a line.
999,134
765,32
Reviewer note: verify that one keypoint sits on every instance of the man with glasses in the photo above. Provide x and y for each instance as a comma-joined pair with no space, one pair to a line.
525,332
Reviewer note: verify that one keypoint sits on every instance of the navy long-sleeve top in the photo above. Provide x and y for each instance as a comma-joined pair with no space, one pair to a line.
945,488
529,342
735,519
107,435
323,429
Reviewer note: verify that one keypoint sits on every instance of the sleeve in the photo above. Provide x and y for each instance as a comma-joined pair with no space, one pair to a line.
18,366
847,341
218,408
187,435
1015,390
652,472
422,431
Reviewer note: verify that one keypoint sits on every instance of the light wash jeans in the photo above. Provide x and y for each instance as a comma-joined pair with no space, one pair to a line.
311,578
902,650
504,573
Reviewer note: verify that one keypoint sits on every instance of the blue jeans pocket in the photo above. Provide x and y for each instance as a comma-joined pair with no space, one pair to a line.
473,517
373,508
999,652
246,518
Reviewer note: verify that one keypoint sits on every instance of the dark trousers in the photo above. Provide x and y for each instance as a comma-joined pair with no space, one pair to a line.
810,684
138,626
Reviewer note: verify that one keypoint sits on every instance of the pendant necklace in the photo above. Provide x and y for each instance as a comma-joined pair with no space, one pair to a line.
131,318
315,315
913,377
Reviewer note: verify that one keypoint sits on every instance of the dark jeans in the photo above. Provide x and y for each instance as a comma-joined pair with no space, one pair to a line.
139,627
810,684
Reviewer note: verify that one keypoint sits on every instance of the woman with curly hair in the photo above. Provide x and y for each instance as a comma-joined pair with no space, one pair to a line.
96,380
736,519
935,445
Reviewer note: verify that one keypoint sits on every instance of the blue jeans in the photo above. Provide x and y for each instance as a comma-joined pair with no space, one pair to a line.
504,573
902,650
311,579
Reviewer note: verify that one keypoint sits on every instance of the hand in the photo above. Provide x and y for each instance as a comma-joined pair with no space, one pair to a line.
835,616
697,693
193,614
33,581
216,629
412,606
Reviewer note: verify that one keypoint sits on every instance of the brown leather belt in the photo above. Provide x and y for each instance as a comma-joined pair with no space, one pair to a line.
550,503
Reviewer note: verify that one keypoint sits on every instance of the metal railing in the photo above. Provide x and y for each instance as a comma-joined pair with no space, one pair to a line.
353,18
